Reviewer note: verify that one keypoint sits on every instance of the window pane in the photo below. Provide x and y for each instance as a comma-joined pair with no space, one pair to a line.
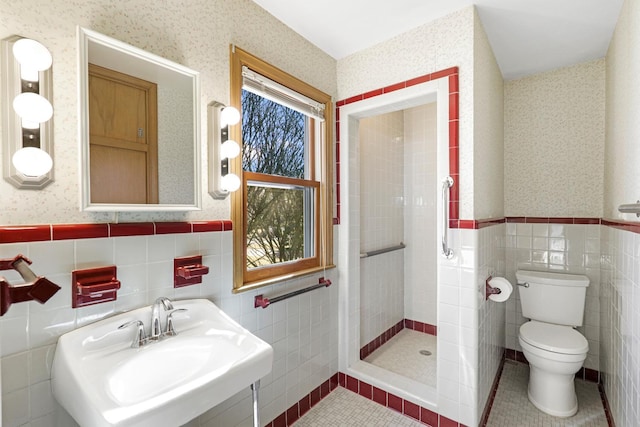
273,137
276,219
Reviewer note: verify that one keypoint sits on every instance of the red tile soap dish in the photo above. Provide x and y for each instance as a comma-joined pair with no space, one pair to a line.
94,286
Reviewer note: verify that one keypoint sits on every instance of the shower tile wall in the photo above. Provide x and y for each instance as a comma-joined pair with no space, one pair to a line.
381,220
420,197
302,330
570,248
491,315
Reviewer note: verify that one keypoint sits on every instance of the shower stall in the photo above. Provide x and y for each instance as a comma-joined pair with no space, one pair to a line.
398,306
394,157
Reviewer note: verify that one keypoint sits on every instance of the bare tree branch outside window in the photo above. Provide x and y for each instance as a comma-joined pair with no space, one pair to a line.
273,138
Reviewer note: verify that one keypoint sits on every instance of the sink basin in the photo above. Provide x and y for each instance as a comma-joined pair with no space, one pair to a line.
101,381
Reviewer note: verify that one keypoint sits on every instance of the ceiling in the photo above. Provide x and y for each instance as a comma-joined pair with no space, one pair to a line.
527,36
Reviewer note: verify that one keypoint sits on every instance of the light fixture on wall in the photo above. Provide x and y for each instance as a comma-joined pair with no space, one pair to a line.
27,128
222,149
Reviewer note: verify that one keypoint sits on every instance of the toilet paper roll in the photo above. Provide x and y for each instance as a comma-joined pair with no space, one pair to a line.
505,289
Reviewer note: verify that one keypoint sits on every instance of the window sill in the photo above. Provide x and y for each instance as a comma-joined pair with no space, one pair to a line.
274,280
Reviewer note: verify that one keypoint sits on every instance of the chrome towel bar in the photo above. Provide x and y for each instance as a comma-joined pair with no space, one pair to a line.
382,251
264,302
631,208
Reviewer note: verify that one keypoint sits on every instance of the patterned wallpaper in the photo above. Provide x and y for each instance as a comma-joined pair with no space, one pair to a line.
448,42
554,142
195,33
623,129
488,130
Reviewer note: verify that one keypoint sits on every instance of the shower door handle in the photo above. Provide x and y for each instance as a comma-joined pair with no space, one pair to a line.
447,183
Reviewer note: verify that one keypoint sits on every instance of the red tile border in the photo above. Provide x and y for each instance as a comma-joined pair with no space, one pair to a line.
428,417
49,232
605,405
79,231
492,393
394,402
633,227
452,75
172,227
403,406
132,229
412,410
379,396
201,226
553,220
25,233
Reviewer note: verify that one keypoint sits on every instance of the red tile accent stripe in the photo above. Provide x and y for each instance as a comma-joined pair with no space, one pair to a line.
552,220
132,229
297,410
492,394
48,232
79,231
25,233
403,406
634,227
605,404
452,75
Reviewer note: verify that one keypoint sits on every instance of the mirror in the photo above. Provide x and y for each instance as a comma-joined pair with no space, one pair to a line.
139,129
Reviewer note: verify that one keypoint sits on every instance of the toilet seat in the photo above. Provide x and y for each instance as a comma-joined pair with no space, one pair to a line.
554,338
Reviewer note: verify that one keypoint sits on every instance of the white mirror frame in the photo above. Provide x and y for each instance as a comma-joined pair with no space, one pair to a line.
125,51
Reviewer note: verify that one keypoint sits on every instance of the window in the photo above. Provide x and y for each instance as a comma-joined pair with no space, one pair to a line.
282,216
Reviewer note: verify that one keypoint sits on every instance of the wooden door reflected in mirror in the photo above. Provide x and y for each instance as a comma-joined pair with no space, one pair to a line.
123,137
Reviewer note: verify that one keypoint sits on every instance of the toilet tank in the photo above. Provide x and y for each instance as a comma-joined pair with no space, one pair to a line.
552,297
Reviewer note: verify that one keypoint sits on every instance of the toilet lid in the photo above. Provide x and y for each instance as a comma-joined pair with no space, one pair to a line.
555,338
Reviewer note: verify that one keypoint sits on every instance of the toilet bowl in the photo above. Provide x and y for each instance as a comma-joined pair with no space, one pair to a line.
554,303
555,353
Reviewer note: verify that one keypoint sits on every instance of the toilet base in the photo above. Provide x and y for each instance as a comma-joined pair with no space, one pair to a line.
552,393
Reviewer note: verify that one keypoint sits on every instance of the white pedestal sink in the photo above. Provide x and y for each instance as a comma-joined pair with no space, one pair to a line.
102,381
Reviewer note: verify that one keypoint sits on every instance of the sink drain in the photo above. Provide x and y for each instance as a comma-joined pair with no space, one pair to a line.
425,352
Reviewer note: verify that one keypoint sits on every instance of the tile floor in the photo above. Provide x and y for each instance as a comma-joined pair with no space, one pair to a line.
345,408
511,407
401,354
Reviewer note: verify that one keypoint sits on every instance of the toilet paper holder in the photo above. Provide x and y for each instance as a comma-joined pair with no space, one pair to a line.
490,290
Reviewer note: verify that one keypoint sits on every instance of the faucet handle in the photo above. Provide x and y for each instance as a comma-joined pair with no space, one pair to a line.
170,331
166,303
141,337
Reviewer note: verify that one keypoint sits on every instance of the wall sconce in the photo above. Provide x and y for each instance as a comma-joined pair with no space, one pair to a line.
221,180
27,128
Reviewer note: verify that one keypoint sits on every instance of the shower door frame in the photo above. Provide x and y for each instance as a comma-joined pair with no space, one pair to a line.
439,91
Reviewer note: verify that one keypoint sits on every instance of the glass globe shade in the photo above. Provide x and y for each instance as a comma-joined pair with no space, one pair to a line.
31,161
229,149
230,182
32,107
33,58
229,116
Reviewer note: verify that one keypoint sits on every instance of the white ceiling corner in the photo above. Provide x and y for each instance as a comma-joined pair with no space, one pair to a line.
527,36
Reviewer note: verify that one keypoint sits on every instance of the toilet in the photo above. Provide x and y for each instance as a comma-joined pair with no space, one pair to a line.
554,349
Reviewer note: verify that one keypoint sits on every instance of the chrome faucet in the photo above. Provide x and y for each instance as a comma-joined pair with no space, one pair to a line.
156,324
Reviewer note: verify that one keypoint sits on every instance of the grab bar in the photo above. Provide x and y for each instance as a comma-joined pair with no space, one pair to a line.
447,183
264,302
631,208
382,251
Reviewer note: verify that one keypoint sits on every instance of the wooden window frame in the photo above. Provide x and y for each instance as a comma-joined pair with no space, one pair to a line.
323,257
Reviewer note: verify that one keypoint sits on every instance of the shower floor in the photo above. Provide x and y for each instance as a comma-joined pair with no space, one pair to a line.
402,355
